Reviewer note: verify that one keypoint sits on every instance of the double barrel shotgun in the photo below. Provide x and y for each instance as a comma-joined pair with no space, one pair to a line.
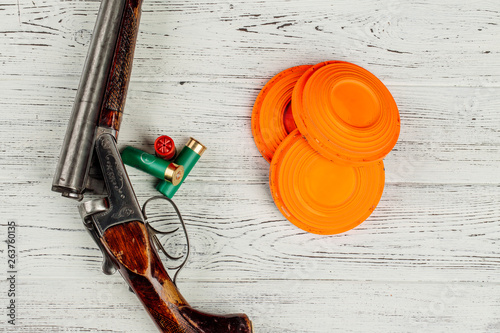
90,163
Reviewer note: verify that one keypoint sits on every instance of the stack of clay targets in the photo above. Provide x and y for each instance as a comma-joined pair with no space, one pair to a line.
325,130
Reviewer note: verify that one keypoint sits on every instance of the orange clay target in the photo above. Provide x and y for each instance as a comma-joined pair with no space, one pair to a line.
319,195
272,118
345,113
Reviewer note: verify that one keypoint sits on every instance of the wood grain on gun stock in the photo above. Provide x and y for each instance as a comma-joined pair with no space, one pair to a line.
121,68
139,264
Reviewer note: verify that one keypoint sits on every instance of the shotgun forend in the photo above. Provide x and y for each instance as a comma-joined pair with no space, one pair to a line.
90,161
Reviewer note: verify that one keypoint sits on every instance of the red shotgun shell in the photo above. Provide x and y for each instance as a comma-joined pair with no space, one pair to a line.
165,147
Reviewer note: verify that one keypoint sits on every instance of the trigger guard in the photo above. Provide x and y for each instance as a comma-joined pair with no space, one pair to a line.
153,232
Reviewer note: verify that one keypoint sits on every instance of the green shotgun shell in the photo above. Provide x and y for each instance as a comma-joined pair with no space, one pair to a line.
166,170
187,158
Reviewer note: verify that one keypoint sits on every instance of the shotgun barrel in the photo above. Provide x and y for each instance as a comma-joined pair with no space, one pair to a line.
76,153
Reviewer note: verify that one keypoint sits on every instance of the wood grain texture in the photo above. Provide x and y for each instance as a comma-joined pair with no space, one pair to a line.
131,248
336,305
426,260
115,94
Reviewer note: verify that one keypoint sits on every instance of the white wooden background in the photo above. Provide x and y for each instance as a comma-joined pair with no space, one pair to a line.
426,260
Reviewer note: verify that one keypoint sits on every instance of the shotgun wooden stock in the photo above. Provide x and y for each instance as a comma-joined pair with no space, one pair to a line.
130,246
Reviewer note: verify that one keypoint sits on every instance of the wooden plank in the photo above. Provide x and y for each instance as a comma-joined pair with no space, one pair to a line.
291,306
448,135
402,43
417,233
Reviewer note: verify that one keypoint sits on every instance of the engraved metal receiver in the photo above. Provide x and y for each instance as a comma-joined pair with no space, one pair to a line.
121,205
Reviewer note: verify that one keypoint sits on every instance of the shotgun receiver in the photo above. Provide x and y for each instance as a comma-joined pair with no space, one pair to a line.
90,162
